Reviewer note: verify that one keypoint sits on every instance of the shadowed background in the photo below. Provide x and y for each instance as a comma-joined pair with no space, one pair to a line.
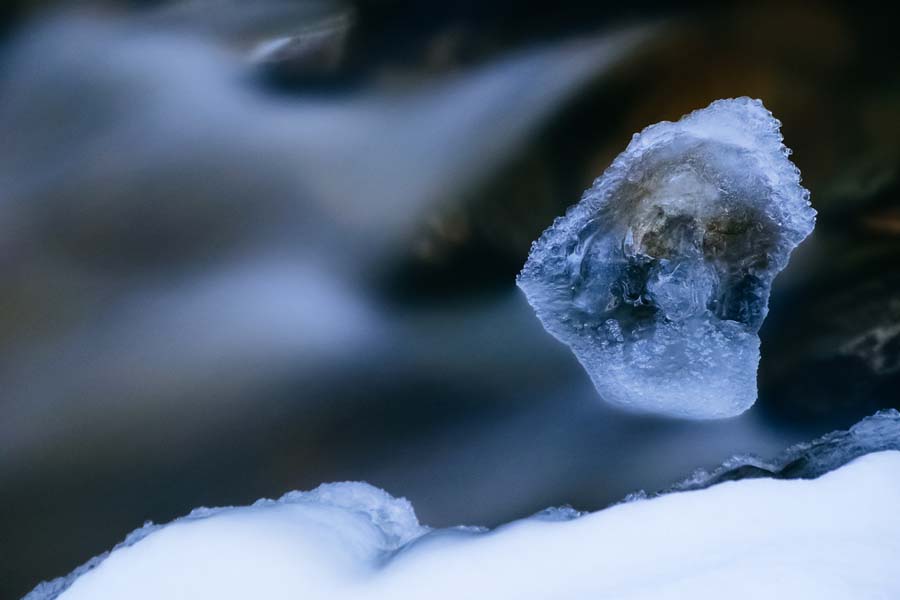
252,247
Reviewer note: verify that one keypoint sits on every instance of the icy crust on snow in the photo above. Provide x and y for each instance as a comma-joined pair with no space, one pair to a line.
808,460
49,590
394,518
831,537
659,278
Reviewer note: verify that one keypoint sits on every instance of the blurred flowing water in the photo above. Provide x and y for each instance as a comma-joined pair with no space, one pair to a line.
248,248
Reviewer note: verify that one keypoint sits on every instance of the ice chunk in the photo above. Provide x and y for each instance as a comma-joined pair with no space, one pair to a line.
659,278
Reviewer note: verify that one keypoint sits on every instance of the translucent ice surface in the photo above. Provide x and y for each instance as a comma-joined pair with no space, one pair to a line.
659,278
834,537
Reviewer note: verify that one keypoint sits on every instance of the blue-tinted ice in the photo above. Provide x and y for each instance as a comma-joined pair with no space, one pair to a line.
659,278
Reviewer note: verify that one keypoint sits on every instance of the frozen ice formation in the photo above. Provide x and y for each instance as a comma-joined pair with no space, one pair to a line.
659,278
829,538
808,460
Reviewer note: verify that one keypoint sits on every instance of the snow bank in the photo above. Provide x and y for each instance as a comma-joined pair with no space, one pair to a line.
837,536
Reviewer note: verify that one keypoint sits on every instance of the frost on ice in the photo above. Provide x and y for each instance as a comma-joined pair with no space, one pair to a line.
659,278
830,538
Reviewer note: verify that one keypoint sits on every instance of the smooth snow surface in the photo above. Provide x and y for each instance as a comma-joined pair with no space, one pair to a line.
837,536
659,278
